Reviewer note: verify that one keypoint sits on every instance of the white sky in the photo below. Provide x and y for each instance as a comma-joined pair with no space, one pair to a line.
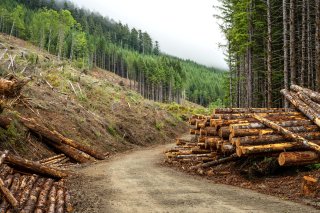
184,28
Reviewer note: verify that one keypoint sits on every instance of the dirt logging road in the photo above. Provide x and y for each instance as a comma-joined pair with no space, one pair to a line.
136,182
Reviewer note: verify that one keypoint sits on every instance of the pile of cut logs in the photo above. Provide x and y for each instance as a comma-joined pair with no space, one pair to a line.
290,135
29,186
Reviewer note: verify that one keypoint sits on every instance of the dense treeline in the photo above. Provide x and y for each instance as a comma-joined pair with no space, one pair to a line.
271,44
89,39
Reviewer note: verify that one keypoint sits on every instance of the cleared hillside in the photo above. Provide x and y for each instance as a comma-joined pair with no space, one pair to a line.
93,107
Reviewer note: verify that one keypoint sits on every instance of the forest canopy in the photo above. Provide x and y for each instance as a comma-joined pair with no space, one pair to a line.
88,39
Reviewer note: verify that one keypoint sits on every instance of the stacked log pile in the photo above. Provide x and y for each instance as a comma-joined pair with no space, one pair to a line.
29,186
292,136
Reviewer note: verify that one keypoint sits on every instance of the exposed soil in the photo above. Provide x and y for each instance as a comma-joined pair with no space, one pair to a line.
137,182
101,110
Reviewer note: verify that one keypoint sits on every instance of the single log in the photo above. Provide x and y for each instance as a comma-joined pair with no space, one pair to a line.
60,200
211,143
228,148
54,161
298,158
71,152
315,106
194,155
263,139
13,189
304,108
52,136
224,132
52,199
216,162
278,147
294,129
254,132
34,166
310,186
43,196
200,151
250,110
34,194
51,158
26,191
58,138
255,125
67,200
315,96
8,195
288,133
211,131
249,115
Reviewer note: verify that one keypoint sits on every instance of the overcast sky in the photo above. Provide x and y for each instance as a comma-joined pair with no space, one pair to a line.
184,28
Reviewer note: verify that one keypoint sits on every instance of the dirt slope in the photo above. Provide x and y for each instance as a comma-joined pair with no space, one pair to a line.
136,182
93,107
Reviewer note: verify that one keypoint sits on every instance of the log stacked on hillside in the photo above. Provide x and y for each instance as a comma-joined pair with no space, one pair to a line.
74,150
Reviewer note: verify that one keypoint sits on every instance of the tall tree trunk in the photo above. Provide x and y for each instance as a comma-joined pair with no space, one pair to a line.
303,45
309,55
269,57
285,50
293,74
12,28
249,58
317,44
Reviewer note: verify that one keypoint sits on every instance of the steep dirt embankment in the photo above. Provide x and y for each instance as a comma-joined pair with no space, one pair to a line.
93,107
136,182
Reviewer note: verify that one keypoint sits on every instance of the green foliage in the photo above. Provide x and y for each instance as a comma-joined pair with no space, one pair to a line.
12,137
88,39
159,125
216,104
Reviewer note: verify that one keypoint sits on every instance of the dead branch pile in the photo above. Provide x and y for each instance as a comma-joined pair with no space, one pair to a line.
292,136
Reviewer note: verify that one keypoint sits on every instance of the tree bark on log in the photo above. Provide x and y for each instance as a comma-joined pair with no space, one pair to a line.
216,162
52,199
278,147
255,125
305,109
315,106
298,158
34,166
249,115
248,140
51,158
251,110
268,131
53,136
315,96
43,196
26,191
60,200
34,194
288,133
8,195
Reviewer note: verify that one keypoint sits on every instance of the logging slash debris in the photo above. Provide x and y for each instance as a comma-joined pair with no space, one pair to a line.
280,138
37,186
